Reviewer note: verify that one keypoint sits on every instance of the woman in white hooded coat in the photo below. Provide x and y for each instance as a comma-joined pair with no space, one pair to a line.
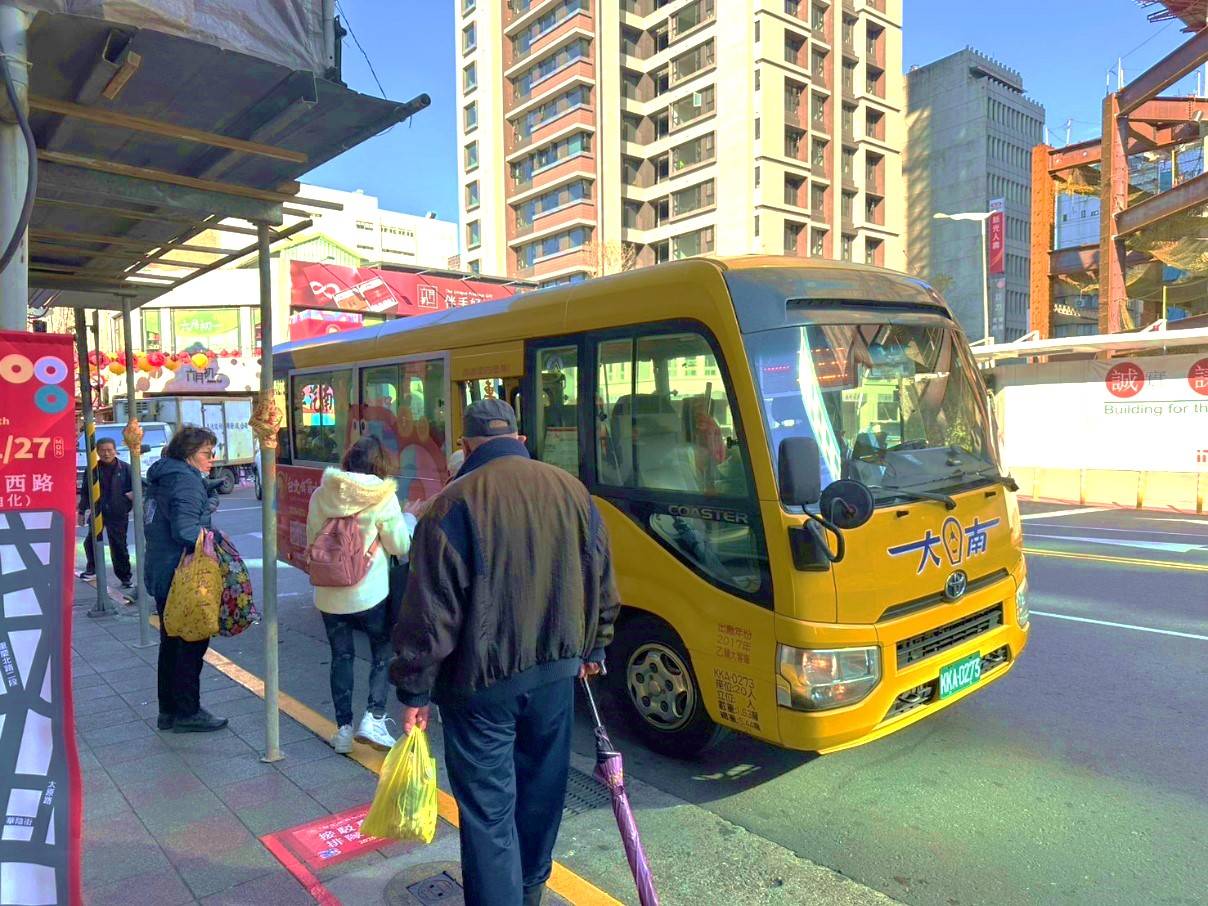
360,487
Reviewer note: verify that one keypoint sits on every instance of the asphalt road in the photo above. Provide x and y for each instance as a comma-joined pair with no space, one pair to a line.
1081,778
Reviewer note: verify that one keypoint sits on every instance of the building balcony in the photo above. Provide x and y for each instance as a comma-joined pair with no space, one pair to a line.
580,23
578,212
578,116
583,68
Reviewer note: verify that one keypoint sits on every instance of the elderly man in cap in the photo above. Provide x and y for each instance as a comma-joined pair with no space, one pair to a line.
510,598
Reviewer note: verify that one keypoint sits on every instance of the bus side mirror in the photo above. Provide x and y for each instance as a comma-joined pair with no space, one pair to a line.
800,470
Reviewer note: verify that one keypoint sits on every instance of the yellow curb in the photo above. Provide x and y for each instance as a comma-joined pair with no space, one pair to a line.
563,881
1119,561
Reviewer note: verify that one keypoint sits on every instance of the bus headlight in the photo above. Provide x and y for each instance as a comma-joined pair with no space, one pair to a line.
1022,613
817,679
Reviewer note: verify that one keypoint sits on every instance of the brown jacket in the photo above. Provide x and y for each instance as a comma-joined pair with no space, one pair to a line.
510,586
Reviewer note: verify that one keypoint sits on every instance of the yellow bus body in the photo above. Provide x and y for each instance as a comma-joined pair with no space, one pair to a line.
869,599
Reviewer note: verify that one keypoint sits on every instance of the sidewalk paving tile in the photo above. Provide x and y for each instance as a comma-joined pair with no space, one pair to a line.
207,875
133,750
278,888
124,732
164,816
322,773
160,888
306,750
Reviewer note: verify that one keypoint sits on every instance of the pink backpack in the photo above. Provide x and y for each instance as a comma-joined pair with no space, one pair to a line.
335,559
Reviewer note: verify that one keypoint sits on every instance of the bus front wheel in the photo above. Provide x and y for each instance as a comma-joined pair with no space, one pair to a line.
651,672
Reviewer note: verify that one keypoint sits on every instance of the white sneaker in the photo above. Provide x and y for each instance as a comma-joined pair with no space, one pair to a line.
372,730
341,740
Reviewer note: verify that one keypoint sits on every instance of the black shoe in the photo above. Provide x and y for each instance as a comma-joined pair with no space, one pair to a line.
201,722
128,583
532,895
87,575
165,721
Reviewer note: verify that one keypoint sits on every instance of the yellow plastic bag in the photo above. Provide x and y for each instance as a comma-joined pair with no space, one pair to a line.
191,612
404,806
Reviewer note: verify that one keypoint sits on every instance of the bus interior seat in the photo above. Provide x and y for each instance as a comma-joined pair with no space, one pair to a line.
665,456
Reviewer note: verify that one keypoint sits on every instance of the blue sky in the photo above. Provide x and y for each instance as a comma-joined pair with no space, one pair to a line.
1064,61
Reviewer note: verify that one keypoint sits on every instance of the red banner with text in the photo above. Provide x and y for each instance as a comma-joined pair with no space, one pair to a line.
369,291
997,236
40,788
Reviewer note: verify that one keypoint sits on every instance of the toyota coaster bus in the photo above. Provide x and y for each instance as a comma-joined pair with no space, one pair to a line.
814,539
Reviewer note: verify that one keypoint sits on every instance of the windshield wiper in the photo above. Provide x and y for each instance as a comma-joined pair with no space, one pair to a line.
947,501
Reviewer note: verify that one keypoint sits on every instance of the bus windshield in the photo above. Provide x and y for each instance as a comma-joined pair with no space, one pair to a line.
892,403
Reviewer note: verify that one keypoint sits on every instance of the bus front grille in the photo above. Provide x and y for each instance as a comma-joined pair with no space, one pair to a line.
926,644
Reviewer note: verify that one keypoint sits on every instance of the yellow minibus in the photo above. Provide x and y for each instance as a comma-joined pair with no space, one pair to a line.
814,538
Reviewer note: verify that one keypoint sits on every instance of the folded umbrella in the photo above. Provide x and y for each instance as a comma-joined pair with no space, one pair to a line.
610,772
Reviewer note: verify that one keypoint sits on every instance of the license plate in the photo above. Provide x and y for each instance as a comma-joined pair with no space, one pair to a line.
961,675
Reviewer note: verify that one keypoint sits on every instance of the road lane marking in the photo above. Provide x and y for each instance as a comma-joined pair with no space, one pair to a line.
1118,561
1173,547
1055,514
1063,616
1120,531
562,880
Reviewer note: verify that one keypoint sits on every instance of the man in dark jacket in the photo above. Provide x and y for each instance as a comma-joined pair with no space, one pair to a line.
510,597
117,494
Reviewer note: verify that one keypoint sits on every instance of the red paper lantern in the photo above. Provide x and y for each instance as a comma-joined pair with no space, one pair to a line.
156,359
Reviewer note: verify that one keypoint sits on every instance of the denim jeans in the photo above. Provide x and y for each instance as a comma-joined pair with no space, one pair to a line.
375,623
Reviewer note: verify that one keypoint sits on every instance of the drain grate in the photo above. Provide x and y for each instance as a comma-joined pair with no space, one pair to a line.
584,793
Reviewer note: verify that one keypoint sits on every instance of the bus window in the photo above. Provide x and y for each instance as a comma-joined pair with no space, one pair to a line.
667,420
666,425
481,389
320,403
403,406
557,428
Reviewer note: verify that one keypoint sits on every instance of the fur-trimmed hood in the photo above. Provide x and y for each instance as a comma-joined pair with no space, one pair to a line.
344,493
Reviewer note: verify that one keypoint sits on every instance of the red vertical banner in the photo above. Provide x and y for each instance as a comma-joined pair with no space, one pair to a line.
997,236
40,788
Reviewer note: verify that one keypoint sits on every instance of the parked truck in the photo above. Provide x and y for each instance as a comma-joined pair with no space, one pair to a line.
227,415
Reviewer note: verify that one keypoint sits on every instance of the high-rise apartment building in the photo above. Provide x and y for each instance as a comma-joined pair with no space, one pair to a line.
596,136
971,132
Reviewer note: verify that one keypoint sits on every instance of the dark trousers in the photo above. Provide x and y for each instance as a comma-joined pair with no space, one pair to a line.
179,670
376,624
508,763
116,529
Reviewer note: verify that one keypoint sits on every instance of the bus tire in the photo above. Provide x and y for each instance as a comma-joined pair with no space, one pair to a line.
651,675
229,481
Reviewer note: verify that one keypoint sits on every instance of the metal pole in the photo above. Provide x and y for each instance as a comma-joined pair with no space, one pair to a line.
268,486
985,282
92,536
14,171
136,454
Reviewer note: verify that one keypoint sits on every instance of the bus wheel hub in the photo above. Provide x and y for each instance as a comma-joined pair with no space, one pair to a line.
659,686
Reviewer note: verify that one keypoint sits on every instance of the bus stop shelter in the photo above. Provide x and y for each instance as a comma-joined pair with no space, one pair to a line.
142,141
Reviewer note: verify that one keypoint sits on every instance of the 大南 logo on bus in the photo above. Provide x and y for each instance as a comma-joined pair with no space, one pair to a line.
710,514
957,542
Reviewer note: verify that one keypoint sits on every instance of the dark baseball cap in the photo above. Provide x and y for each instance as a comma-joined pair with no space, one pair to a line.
488,418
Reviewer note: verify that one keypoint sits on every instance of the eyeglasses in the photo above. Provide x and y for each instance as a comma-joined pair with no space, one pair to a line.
206,454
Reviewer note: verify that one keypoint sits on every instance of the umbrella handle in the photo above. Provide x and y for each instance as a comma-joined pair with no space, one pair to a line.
591,701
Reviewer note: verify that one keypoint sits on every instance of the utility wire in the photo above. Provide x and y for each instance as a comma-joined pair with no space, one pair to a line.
356,41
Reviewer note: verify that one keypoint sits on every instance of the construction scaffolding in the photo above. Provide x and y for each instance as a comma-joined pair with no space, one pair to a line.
1145,187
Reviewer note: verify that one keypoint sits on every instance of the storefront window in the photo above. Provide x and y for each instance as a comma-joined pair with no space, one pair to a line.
153,337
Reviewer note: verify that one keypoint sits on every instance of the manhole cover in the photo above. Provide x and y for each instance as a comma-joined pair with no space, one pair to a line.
584,793
426,884
438,889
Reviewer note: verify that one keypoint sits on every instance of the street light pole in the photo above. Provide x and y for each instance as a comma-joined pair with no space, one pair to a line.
985,282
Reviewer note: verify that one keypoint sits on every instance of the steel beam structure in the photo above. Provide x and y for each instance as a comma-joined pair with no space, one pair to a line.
1044,211
1113,199
1182,60
1156,208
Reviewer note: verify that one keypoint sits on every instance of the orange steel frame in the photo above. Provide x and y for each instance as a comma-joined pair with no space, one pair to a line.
1134,119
